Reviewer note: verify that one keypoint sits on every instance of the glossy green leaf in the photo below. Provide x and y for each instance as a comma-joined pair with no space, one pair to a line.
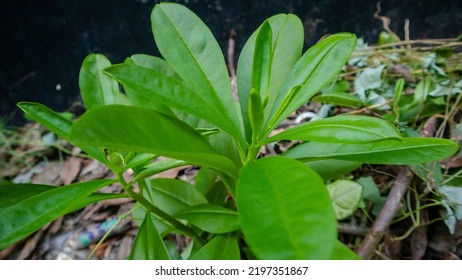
407,151
210,218
172,195
59,125
205,179
157,167
341,129
139,160
148,244
255,112
261,67
285,211
139,99
143,130
342,252
155,87
96,88
159,65
346,196
218,194
330,169
196,57
139,214
339,99
315,69
221,247
56,123
95,197
286,49
27,215
11,194
154,63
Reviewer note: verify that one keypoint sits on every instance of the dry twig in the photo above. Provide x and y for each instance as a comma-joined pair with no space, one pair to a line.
378,229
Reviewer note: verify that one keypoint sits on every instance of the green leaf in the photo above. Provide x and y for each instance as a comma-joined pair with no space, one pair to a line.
138,215
330,169
339,99
210,218
407,151
172,195
56,123
23,217
159,65
157,167
345,195
285,211
452,201
143,130
156,86
96,88
59,125
221,247
341,129
286,49
205,179
313,71
95,197
148,244
218,194
188,45
138,98
140,160
370,190
342,252
11,194
255,112
261,67
154,63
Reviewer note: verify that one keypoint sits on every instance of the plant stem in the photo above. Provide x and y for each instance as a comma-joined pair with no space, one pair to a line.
108,232
377,231
158,212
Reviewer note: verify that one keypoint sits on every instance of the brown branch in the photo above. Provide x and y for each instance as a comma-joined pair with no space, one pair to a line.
231,67
381,224
385,21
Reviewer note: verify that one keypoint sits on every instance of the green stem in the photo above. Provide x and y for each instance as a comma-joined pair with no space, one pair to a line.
156,211
458,173
105,236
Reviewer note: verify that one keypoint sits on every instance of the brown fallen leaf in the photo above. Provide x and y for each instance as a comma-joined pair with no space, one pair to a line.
31,244
171,173
70,170
419,243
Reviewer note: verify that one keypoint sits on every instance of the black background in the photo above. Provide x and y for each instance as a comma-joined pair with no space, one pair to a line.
43,43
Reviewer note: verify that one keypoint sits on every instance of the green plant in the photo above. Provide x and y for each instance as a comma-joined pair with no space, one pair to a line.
182,107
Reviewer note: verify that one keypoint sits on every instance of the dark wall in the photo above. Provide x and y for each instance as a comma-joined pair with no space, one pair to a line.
44,42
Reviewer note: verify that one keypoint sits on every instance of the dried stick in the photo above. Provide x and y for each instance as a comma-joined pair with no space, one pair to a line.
377,231
407,37
231,67
385,21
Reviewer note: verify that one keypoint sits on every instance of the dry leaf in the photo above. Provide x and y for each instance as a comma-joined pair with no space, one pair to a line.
70,170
